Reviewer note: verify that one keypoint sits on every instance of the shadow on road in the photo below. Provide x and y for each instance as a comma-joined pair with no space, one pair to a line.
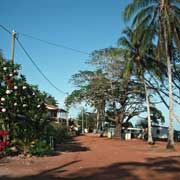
153,168
71,146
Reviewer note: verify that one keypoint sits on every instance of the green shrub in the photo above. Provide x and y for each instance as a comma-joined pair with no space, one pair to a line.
40,148
58,131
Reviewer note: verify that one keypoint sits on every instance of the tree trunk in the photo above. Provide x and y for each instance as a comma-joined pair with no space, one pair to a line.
150,140
118,130
170,143
97,121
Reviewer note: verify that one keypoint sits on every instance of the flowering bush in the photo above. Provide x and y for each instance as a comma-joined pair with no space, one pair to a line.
3,142
3,145
3,133
22,112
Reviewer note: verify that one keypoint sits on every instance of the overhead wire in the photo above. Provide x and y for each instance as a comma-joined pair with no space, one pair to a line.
4,28
37,67
34,63
54,44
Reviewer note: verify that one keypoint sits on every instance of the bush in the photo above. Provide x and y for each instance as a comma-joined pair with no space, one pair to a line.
59,132
40,148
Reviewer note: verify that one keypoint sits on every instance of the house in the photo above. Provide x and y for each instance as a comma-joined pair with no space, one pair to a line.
56,113
160,132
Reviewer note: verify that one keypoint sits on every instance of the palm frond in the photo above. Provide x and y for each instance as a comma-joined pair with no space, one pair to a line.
128,69
149,10
124,42
135,6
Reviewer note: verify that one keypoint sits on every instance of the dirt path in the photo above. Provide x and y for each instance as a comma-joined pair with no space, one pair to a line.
93,158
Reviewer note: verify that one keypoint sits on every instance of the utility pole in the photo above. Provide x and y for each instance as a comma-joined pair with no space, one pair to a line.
67,120
13,46
82,113
86,120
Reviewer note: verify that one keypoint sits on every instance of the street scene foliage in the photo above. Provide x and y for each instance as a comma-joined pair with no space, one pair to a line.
125,82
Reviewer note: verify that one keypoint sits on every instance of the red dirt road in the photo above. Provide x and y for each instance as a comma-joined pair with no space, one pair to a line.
93,158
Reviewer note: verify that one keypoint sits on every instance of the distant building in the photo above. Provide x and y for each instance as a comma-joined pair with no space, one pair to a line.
159,132
56,113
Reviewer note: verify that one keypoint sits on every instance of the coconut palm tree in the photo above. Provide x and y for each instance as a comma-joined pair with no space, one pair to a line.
163,17
135,47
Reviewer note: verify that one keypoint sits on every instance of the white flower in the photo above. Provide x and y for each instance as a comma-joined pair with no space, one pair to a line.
4,68
15,104
15,87
24,105
24,87
2,99
38,106
10,75
3,110
8,91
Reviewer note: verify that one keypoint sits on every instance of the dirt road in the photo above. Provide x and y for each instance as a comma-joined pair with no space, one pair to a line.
93,158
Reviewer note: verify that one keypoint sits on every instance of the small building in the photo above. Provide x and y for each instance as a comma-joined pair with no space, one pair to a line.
159,132
56,113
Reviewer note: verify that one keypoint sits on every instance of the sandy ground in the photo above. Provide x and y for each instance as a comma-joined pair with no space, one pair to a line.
93,158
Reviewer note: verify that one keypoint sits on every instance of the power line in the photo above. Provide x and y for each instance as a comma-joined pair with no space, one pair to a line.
37,67
33,62
54,44
4,28
47,42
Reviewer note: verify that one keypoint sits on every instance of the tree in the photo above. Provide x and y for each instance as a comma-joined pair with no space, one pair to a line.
125,95
163,17
127,103
49,99
92,89
22,111
135,45
156,117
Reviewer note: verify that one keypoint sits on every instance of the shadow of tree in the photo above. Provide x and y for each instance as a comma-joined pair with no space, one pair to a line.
158,168
71,146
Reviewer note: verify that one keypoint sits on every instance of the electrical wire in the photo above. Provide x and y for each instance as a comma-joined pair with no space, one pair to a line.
33,62
55,44
37,67
4,28
47,42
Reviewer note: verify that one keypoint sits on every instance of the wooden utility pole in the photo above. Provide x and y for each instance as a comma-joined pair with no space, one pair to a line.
67,120
13,46
82,120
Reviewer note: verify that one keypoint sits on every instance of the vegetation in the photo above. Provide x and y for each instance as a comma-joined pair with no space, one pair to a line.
128,80
23,114
162,17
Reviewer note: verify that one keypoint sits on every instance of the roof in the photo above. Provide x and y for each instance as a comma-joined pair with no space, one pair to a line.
51,107
54,108
158,126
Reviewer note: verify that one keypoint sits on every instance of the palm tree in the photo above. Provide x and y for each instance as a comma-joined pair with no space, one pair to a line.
163,17
135,46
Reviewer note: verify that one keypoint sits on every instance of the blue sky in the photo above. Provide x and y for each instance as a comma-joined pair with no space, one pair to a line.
86,25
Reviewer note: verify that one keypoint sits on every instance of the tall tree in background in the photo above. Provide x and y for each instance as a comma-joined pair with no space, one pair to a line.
163,17
135,45
125,96
91,89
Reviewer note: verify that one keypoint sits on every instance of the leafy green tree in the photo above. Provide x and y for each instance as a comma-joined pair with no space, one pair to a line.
125,96
92,89
49,99
89,120
156,118
136,44
22,110
163,17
